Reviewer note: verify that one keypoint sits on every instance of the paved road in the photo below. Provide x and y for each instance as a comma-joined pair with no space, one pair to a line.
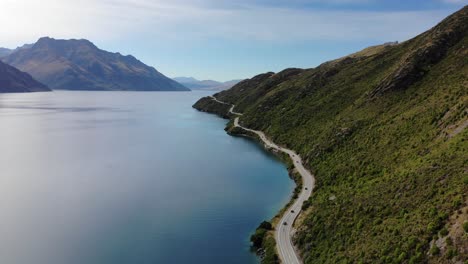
284,230
231,110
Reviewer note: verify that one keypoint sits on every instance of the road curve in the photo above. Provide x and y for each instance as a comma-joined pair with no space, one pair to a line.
284,229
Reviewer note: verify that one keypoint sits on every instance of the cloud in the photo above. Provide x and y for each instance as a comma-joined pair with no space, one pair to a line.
264,23
455,1
181,20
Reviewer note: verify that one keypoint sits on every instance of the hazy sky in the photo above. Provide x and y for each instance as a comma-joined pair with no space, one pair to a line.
221,39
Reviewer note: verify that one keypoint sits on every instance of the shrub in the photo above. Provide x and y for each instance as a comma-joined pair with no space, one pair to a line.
465,227
266,225
431,228
401,257
448,241
435,250
305,205
257,237
451,253
416,258
443,232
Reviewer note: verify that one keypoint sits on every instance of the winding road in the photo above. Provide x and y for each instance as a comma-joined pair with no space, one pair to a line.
284,229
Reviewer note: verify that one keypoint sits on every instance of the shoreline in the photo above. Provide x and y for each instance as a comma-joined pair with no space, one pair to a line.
284,220
292,175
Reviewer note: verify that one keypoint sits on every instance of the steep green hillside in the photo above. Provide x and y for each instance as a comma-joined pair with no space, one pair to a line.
384,133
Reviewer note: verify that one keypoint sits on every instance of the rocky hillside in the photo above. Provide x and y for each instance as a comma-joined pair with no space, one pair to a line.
4,52
80,65
385,134
13,80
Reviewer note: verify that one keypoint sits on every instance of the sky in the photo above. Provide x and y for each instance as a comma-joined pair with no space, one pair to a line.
221,39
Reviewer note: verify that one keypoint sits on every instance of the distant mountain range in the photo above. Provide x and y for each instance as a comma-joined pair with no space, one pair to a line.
13,80
195,84
5,52
80,65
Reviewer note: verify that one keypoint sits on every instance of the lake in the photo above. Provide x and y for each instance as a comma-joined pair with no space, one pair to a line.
129,177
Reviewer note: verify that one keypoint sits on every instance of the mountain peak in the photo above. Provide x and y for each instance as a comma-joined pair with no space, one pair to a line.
77,64
64,43
46,38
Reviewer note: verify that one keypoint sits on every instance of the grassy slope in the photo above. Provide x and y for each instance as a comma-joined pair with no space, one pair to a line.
383,133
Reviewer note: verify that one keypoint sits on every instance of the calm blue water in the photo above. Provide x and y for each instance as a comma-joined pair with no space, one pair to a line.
128,177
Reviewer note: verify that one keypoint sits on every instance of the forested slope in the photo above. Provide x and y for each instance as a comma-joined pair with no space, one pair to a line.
385,134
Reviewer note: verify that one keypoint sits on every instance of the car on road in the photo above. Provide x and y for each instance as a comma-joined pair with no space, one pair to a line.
284,223
292,211
306,188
